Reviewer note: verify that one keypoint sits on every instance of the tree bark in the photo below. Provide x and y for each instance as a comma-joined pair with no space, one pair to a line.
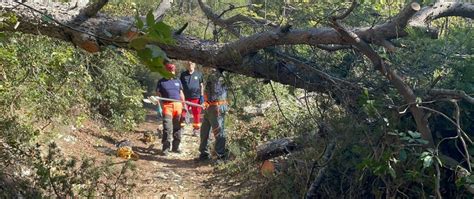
275,148
242,56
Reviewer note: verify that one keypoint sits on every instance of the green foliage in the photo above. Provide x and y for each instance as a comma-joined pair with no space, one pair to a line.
13,133
46,80
148,52
114,92
7,19
376,145
410,137
35,174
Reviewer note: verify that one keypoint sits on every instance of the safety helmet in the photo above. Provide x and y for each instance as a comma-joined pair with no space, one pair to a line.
170,67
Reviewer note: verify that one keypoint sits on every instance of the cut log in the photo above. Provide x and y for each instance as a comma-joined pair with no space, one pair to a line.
275,148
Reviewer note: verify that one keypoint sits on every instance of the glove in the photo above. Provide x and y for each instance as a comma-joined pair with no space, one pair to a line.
205,105
201,99
159,111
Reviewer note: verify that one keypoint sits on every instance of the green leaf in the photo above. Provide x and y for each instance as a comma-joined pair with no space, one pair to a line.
403,155
157,65
439,161
392,133
161,32
153,57
424,154
150,19
414,134
418,100
156,51
2,36
427,161
366,92
422,141
391,171
139,43
405,138
139,21
145,54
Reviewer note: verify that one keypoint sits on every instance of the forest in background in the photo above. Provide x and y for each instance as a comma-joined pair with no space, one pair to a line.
352,130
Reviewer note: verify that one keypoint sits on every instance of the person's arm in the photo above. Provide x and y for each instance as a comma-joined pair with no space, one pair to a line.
202,88
201,84
157,92
181,93
159,108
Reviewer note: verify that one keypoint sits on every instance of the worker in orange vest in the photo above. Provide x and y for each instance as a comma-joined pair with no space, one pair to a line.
214,116
173,89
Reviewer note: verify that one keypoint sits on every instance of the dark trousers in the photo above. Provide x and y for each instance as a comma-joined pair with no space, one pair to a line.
213,119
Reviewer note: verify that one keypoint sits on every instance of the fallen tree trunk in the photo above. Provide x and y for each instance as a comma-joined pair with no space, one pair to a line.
90,30
275,148
93,32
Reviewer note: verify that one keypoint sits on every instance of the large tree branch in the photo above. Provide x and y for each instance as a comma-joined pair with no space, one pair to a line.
240,56
452,94
397,81
91,10
441,9
230,24
84,40
217,19
300,71
243,46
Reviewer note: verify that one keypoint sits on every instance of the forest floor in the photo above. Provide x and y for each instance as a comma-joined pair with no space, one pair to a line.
157,176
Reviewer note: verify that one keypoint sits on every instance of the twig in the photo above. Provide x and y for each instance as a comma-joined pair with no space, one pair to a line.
49,122
279,107
231,7
315,164
450,120
458,123
437,181
317,181
307,106
452,93
347,12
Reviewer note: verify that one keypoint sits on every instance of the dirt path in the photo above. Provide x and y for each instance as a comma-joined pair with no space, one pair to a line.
172,176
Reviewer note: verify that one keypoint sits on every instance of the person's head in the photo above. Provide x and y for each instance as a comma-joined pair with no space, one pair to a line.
171,68
190,66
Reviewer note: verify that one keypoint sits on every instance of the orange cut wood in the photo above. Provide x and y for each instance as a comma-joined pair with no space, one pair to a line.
268,168
131,35
90,46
